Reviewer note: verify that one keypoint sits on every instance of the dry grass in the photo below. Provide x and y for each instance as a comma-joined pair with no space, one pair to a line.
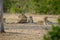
36,18
22,34
28,33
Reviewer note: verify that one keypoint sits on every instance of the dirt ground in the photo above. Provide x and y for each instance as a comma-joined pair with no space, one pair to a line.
25,31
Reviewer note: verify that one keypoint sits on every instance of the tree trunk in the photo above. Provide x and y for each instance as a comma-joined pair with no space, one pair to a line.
1,17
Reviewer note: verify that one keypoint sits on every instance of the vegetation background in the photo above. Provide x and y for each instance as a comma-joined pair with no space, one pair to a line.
32,6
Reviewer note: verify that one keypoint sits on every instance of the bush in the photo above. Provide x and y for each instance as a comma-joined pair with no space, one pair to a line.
58,21
54,34
34,6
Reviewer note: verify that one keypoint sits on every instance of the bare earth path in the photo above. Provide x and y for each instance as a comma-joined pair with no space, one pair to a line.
23,32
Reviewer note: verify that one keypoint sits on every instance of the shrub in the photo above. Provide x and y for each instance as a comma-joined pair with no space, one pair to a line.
54,34
58,21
